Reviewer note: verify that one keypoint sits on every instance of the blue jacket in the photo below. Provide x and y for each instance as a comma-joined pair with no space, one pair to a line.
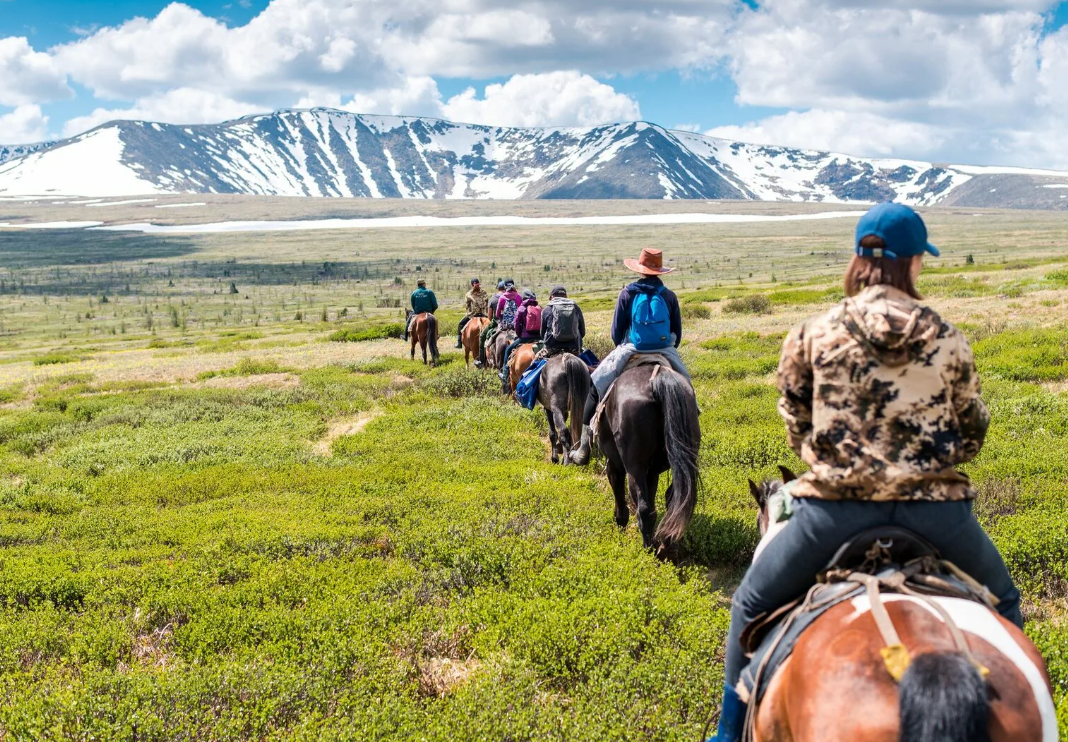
423,300
648,284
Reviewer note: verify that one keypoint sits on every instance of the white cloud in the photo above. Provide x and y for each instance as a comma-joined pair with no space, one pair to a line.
28,76
181,106
417,96
905,81
694,128
25,125
552,99
839,131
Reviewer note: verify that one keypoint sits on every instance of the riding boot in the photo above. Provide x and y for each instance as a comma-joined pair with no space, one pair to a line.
731,717
458,336
581,455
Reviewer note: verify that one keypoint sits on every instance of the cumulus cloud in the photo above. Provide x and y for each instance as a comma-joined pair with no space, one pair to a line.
25,125
181,106
906,81
839,131
28,76
552,99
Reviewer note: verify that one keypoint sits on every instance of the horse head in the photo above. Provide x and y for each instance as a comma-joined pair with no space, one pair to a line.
762,494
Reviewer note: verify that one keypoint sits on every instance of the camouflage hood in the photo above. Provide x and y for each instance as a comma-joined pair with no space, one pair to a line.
891,325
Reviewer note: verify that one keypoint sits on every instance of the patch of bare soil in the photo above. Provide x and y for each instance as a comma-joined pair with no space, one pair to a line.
347,426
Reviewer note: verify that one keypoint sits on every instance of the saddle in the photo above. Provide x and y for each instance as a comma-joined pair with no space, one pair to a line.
880,560
638,360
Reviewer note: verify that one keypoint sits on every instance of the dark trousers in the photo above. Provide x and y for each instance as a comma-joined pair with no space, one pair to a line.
788,566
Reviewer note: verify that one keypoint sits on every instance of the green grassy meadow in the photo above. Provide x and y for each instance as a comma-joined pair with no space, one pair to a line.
232,508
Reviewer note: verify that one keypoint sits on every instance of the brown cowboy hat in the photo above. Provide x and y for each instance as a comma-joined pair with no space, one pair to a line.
651,263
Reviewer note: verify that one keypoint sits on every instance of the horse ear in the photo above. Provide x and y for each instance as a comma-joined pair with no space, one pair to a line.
787,474
754,490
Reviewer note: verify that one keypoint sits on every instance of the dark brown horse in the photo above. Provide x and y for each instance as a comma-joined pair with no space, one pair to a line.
562,391
497,345
425,333
649,426
469,337
835,687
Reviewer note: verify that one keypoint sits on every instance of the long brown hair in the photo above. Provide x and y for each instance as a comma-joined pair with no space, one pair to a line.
864,272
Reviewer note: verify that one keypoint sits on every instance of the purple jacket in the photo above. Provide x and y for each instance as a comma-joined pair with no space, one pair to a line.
521,321
649,284
510,294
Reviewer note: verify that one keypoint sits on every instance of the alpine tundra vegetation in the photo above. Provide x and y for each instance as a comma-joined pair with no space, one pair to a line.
232,508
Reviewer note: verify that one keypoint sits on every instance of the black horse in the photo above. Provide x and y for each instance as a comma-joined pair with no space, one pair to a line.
562,392
649,425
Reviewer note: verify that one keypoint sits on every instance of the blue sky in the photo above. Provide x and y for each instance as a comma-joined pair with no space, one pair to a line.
981,81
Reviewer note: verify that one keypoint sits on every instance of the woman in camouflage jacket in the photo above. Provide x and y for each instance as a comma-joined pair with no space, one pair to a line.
881,400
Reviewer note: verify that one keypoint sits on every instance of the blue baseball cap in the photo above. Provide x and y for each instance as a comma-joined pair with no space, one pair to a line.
899,227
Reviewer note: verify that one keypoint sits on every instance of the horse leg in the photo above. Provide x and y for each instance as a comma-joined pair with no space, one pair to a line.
554,436
617,477
414,341
643,489
563,437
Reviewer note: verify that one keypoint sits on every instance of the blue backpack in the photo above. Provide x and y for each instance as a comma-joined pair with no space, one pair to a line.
526,391
650,321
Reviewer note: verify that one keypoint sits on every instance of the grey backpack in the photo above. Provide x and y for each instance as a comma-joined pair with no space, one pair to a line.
564,327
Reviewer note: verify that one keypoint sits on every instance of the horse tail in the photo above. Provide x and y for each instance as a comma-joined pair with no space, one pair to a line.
682,438
578,388
943,699
432,334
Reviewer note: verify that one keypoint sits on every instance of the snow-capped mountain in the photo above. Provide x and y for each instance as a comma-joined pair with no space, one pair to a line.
326,153
14,151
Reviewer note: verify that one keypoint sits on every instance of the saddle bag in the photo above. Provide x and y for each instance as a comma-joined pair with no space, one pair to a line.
526,391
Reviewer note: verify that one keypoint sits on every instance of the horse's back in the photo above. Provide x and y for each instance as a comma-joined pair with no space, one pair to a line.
835,685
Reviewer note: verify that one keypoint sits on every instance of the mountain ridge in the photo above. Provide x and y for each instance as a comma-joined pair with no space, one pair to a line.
330,153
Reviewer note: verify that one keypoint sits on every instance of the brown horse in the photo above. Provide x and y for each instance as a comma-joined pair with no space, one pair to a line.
469,337
425,333
562,391
650,425
518,363
835,687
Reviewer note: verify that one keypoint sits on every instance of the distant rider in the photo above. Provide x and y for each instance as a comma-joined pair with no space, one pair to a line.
881,399
527,327
647,320
563,327
477,305
423,301
491,329
507,307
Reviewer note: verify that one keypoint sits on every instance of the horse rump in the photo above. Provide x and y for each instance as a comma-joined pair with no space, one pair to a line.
943,698
682,439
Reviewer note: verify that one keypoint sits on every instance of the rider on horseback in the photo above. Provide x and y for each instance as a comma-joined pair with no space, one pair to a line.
528,330
491,329
647,320
477,305
562,325
881,399
423,301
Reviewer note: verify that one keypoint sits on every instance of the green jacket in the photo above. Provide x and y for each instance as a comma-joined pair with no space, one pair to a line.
423,300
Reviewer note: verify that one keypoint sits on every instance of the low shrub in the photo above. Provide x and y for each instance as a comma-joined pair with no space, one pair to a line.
378,332
696,311
750,304
51,359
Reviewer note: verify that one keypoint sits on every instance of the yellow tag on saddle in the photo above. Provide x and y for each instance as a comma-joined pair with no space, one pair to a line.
897,660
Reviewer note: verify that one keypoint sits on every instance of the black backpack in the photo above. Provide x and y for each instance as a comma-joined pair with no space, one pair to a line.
564,327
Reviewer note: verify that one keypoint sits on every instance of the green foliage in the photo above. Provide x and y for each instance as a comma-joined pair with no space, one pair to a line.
749,304
246,367
1025,355
50,359
376,332
695,311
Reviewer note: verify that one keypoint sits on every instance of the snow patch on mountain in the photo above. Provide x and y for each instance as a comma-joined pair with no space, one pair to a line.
329,153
